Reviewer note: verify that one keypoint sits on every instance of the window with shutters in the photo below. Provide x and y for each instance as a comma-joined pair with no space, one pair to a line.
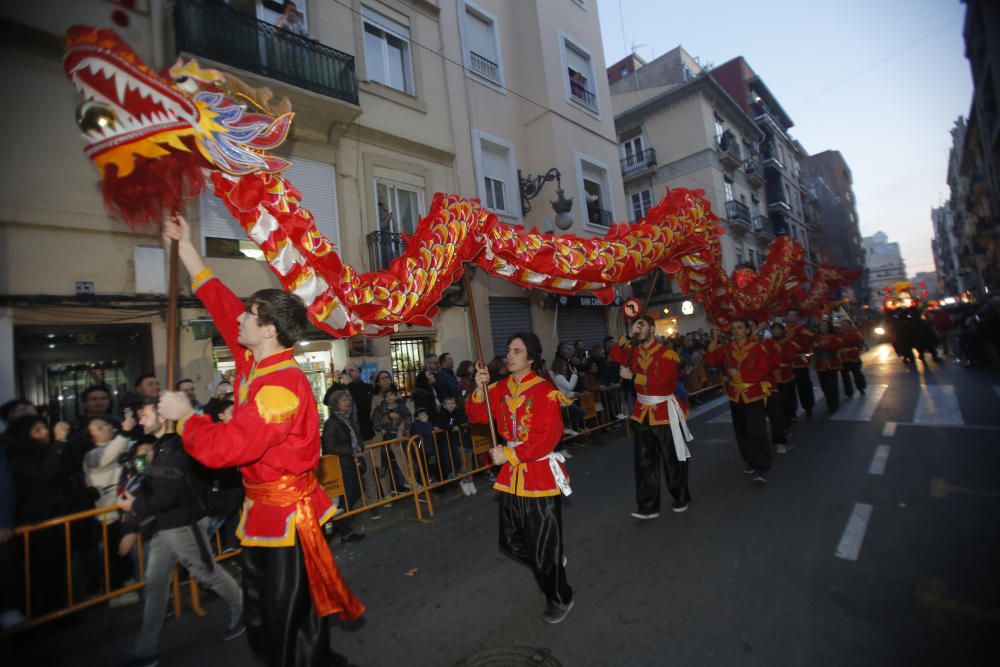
316,181
399,206
497,174
387,51
481,42
580,79
594,182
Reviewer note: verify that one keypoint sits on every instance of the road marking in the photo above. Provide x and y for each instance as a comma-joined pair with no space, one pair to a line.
727,416
940,489
879,460
889,430
854,532
861,408
996,390
938,405
711,405
981,427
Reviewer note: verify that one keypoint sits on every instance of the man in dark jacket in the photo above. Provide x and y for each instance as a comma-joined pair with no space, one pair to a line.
167,496
362,393
447,381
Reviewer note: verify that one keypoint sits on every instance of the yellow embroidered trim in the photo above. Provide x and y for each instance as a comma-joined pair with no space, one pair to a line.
511,456
180,425
558,397
286,540
276,404
261,372
201,278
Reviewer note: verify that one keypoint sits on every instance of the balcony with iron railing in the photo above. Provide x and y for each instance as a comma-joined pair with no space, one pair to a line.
383,247
638,162
772,157
580,93
737,212
598,216
729,153
754,172
218,32
763,227
484,66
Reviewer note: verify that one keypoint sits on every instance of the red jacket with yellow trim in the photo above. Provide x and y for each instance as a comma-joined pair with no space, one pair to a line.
655,369
782,355
853,341
274,430
801,340
752,364
528,412
827,348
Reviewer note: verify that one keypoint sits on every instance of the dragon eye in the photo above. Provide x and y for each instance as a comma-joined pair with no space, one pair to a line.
94,116
187,84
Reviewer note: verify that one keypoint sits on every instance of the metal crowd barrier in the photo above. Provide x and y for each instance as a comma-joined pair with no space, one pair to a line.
421,466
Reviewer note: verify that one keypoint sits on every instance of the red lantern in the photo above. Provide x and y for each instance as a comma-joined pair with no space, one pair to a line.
922,283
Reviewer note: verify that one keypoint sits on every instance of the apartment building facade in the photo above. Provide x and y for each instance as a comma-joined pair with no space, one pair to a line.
377,87
884,264
677,127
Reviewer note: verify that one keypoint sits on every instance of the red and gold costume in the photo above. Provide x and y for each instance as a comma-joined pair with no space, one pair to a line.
752,364
801,340
853,341
782,356
274,439
827,348
655,369
529,418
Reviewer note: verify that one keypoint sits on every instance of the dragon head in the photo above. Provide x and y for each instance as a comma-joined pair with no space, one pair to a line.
151,135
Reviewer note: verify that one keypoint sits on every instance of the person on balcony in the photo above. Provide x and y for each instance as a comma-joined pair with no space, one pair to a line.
293,21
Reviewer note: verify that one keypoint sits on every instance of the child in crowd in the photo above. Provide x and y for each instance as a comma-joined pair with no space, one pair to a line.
454,423
424,427
392,419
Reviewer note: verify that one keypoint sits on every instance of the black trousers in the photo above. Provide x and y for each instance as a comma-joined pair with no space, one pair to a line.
804,387
828,383
653,444
852,369
531,533
789,405
776,417
278,613
750,424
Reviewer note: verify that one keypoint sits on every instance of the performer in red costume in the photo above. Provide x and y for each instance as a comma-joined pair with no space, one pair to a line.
274,438
781,402
660,431
801,339
827,346
850,359
532,478
748,368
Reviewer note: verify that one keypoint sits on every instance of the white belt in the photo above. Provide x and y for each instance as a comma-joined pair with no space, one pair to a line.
678,425
554,458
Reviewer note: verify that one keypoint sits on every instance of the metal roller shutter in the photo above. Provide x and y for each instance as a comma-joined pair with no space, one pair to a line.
589,325
508,316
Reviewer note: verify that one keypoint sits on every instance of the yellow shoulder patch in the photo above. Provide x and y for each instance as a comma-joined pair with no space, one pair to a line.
558,397
671,354
276,404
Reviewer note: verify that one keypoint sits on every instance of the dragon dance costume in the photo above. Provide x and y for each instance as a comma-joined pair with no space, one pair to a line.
828,367
748,388
533,480
274,438
660,430
781,402
801,340
850,358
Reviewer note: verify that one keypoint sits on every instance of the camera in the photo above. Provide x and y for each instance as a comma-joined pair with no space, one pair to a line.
135,468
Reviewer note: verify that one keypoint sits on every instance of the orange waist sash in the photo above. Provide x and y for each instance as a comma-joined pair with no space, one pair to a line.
330,594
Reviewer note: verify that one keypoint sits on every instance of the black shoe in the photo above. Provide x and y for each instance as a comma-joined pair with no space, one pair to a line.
555,612
809,414
679,506
235,630
748,471
352,537
759,479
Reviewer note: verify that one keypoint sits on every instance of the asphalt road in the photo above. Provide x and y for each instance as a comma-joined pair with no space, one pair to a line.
875,542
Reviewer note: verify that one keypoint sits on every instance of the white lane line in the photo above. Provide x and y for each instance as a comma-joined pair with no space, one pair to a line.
889,430
981,427
727,416
879,460
996,390
938,406
861,408
711,405
854,532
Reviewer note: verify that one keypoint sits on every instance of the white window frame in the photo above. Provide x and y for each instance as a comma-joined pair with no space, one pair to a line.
513,191
606,191
623,146
467,8
396,186
644,206
387,25
567,42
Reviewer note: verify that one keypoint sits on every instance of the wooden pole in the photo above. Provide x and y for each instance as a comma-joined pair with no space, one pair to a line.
172,316
479,348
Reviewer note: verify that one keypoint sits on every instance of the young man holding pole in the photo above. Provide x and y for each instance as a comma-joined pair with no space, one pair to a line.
532,479
660,431
290,581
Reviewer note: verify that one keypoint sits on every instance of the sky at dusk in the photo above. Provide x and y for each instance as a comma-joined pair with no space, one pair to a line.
881,81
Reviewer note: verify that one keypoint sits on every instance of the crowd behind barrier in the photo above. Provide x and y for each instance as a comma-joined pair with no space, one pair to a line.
401,460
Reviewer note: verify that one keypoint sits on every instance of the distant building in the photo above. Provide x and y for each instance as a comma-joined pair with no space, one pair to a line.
945,247
930,280
884,264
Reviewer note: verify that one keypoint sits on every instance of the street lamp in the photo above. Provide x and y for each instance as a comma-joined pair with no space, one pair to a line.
531,187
